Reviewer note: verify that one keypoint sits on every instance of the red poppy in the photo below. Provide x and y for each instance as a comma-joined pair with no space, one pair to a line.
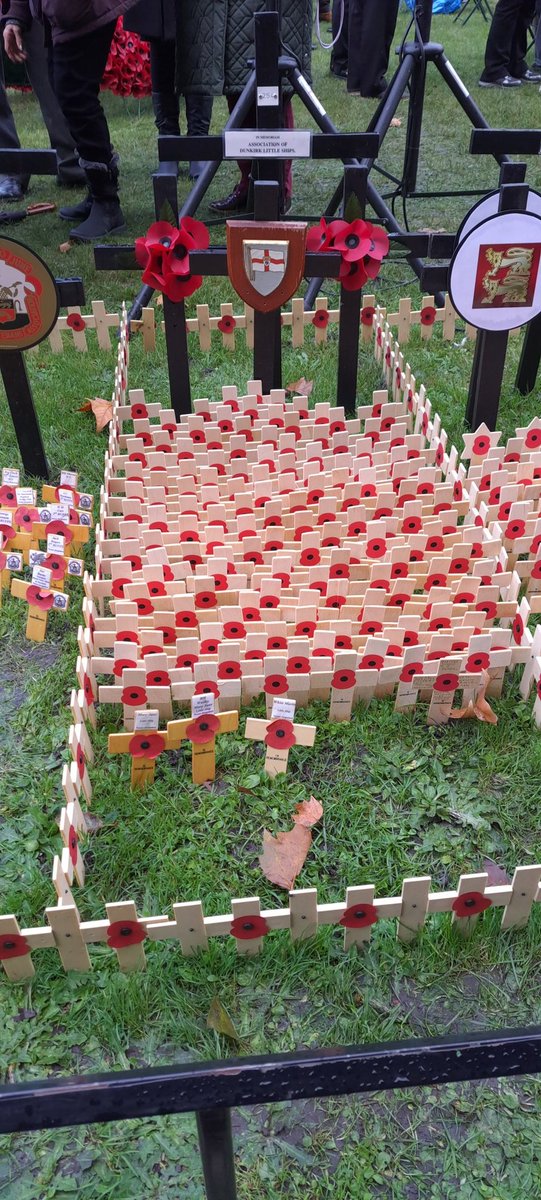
446,683
269,602
408,672
305,629
280,735
428,315
206,687
488,607
359,916
186,660
125,933
309,558
469,904
481,445
229,670
209,646
197,437
478,662
13,945
368,313
56,565
227,324
121,664
371,662
139,457
343,680
146,745
38,598
61,528
251,614
117,588
144,606
158,679
438,623
76,322
435,581
26,516
246,928
275,685
8,496
335,601
515,529
533,438
464,598
205,600
253,556
256,654
536,570
459,566
203,729
518,629
298,665
133,696
234,629
376,547
73,844
185,619
321,318
127,635
88,690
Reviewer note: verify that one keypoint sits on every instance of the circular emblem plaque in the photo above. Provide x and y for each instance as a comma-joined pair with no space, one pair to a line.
28,297
495,274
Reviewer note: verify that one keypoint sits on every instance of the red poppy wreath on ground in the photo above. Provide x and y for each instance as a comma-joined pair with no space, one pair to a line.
164,255
361,245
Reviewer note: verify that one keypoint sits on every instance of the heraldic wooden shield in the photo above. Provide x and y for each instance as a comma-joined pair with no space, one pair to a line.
265,261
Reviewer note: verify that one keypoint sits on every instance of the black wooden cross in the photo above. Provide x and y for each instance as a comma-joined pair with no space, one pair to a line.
12,364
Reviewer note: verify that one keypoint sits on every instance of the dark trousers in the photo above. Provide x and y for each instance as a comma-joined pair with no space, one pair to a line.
198,105
57,129
77,68
339,55
505,52
371,29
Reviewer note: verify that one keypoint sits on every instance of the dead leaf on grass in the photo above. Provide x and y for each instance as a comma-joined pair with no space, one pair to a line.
102,409
308,812
65,247
478,708
496,874
284,856
301,387
395,122
218,1018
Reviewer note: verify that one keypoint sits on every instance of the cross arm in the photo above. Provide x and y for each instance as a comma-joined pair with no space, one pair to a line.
209,262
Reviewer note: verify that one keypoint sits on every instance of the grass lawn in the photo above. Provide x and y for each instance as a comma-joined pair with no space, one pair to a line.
399,799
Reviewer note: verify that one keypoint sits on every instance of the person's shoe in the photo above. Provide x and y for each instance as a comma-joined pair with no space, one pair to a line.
10,189
505,81
340,72
531,76
235,202
77,212
105,216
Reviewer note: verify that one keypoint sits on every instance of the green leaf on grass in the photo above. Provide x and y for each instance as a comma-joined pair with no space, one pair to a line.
218,1018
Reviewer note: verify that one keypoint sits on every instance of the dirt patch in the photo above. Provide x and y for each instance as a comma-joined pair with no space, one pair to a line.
22,659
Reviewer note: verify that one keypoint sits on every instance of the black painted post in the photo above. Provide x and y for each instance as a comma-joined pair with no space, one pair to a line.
216,1148
355,181
23,413
491,346
176,337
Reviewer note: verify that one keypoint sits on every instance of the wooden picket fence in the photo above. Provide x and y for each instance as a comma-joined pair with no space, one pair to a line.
233,328
126,933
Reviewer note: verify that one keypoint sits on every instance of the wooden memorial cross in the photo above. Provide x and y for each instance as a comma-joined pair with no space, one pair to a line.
279,735
144,746
202,731
40,599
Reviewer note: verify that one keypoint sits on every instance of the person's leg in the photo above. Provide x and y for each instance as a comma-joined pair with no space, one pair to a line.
69,171
238,197
537,58
12,187
499,42
518,66
77,69
339,54
369,21
198,117
164,97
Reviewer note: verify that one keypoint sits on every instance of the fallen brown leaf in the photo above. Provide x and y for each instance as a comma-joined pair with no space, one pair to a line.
65,247
283,856
496,874
301,387
478,708
102,409
395,122
308,812
218,1018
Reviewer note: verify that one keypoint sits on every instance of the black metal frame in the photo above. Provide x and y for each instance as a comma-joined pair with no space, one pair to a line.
212,1089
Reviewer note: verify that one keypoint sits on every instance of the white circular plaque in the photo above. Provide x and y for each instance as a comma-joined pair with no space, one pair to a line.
495,272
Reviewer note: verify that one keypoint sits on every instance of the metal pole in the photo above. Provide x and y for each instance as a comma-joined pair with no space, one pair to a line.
23,413
216,1149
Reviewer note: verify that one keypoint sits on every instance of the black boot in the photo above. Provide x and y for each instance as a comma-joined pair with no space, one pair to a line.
166,112
105,215
77,212
198,115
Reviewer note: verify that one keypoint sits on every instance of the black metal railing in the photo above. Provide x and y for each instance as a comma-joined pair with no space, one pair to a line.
212,1089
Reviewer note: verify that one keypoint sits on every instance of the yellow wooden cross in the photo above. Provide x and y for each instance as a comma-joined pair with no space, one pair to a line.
40,602
202,732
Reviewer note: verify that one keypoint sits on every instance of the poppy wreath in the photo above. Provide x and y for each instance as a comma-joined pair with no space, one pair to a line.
13,945
125,933
280,735
361,245
470,904
246,928
146,745
164,255
203,730
127,70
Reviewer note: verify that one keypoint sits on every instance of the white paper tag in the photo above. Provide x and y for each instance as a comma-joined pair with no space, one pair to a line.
55,543
203,704
146,718
69,478
267,96
25,495
5,517
283,708
11,476
267,143
35,557
65,496
41,577
59,512
14,561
